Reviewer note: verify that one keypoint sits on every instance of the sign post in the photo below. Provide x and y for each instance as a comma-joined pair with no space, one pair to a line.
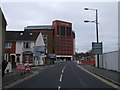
97,49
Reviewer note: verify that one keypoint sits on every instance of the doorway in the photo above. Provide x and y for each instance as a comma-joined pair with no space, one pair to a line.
13,61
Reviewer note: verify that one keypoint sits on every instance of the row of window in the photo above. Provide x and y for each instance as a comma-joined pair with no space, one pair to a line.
63,43
26,59
64,53
61,40
64,37
25,45
63,30
64,46
64,49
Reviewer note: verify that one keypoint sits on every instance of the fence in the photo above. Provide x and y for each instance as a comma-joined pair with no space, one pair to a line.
110,60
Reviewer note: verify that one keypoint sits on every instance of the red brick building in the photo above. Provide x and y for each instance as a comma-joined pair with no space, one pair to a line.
63,38
60,39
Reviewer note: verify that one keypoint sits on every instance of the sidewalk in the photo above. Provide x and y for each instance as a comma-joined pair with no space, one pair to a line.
14,75
106,74
18,74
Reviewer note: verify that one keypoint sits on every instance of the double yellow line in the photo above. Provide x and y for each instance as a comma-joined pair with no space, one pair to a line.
109,83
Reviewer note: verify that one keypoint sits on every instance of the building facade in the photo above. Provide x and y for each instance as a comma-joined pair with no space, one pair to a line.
47,33
59,38
3,25
10,49
63,39
19,48
39,51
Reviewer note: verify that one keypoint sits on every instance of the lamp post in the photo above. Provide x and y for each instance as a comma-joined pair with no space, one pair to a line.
96,21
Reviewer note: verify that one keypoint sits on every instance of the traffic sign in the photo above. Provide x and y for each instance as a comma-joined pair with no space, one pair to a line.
20,67
27,68
96,48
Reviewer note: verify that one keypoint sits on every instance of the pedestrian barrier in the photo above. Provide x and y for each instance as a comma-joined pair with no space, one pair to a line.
89,60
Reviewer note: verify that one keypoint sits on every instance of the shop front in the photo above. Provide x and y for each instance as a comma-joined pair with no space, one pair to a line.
28,58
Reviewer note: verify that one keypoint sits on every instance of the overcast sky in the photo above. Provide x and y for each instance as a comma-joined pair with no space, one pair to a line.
22,14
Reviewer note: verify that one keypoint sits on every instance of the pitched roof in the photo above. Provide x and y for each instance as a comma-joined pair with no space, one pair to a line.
12,35
3,17
21,35
41,41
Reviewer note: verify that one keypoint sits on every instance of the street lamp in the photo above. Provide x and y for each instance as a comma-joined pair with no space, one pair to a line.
86,21
96,21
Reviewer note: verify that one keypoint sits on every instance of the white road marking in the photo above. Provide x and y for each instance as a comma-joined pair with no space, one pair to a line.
62,70
58,87
61,77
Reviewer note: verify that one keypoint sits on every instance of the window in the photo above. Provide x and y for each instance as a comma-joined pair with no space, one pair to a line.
8,45
62,30
68,31
6,57
27,58
45,36
31,59
27,45
57,30
18,58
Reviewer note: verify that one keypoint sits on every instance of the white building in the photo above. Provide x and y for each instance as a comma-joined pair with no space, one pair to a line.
39,51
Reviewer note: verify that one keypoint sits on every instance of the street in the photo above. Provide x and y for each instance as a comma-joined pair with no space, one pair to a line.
63,75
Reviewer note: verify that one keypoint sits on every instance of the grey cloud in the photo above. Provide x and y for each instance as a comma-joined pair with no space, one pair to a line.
23,14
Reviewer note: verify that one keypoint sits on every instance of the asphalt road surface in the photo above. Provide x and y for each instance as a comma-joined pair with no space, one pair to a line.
63,75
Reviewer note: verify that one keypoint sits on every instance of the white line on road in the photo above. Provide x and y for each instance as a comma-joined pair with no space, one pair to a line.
62,70
61,77
58,87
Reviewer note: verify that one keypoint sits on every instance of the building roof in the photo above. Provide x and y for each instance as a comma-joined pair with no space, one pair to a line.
39,27
12,35
41,41
3,17
62,21
21,36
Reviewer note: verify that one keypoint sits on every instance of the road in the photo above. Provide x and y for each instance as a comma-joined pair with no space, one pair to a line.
63,75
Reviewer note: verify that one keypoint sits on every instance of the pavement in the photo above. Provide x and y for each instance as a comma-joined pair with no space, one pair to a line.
19,74
111,76
66,75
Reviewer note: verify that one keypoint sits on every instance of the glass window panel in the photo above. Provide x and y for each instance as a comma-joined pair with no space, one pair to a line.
57,30
68,31
62,30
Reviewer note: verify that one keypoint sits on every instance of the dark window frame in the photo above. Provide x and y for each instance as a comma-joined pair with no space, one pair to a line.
62,30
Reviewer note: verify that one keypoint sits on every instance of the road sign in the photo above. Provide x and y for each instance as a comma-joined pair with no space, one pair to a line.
27,68
96,48
20,67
